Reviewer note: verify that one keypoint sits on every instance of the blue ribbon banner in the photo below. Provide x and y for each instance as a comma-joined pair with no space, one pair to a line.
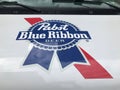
43,57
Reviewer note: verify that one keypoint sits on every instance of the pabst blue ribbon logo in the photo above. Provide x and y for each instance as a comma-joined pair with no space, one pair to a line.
61,37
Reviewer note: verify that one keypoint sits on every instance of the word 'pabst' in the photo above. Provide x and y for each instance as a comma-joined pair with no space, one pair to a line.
48,26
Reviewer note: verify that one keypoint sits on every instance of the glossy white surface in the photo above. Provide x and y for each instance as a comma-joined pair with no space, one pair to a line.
104,47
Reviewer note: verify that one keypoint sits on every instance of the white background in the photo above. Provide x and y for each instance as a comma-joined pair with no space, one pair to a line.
104,47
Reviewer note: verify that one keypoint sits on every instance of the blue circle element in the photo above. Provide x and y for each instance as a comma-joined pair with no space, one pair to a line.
53,35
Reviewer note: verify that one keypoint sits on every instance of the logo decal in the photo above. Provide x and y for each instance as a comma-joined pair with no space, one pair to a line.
60,37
